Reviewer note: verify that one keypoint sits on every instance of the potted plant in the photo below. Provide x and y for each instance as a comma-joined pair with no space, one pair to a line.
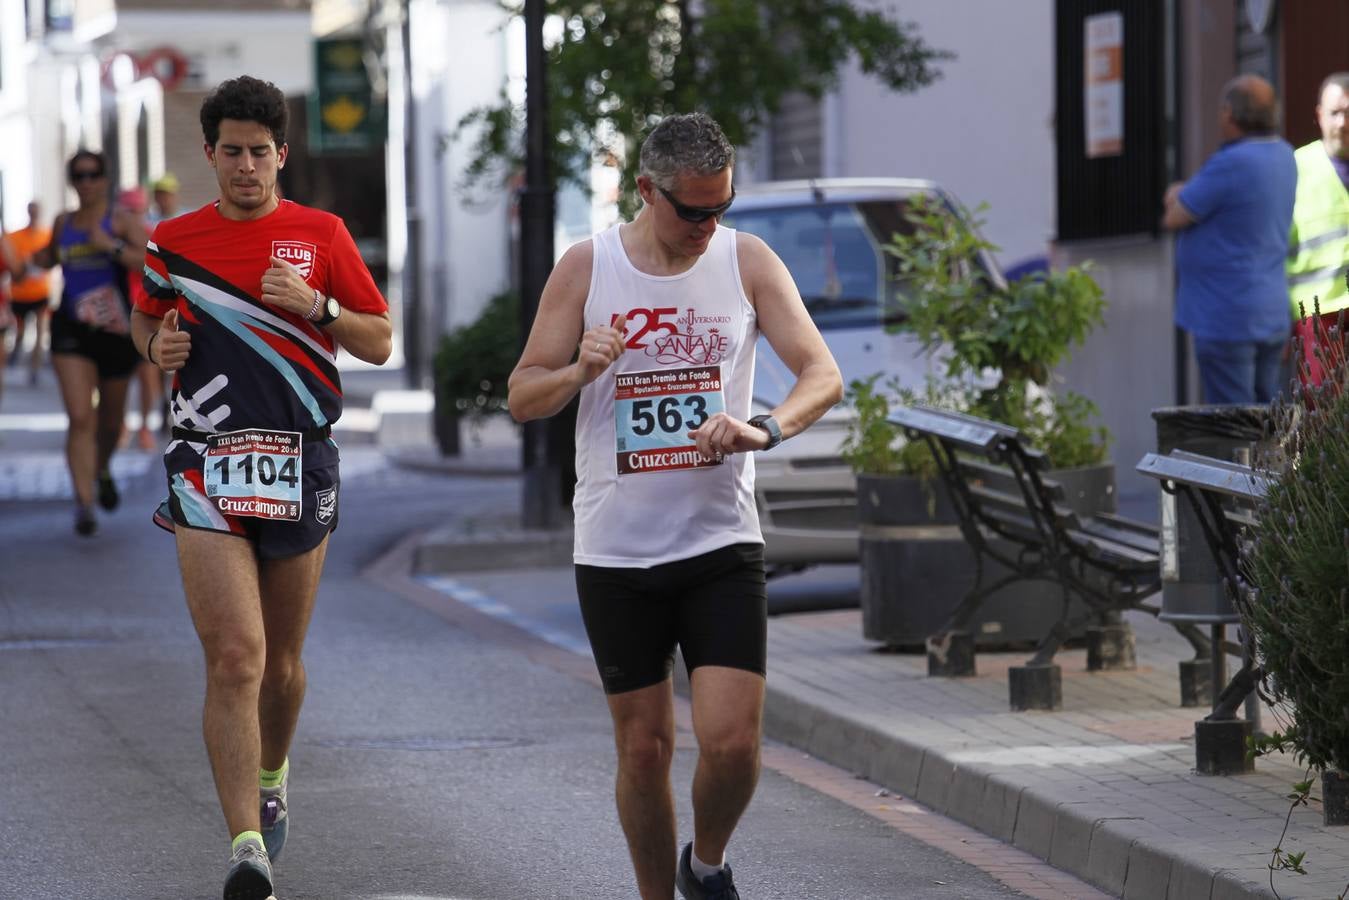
999,343
909,545
471,367
1296,565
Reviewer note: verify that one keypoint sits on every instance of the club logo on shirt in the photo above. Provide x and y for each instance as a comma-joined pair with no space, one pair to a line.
326,504
297,253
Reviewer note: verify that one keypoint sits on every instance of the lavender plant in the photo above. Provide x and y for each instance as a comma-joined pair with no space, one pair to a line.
1296,562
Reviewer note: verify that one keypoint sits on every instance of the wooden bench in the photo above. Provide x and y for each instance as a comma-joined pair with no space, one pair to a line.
1222,496
1013,512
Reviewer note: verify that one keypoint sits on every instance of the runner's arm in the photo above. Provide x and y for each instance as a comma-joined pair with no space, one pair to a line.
366,336
50,255
10,257
129,247
170,347
546,377
792,334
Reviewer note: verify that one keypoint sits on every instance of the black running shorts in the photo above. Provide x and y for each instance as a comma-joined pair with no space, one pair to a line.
113,354
189,507
714,607
22,309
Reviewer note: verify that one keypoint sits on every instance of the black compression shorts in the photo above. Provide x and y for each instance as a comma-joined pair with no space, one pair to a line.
22,309
113,354
714,607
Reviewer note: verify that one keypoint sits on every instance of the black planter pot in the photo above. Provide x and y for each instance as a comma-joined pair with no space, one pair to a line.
445,423
916,566
1335,797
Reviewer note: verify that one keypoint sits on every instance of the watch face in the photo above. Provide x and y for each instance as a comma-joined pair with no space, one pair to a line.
334,308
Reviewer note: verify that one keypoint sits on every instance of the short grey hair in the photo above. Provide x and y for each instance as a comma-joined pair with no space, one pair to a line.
687,144
1253,111
1339,79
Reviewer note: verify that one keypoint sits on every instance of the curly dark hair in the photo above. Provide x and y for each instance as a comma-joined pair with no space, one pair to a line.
246,99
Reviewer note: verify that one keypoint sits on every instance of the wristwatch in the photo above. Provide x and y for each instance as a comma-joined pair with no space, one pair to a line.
770,425
331,310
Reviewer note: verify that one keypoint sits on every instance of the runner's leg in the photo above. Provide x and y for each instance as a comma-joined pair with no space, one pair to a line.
41,327
111,416
644,732
289,587
220,580
728,722
77,377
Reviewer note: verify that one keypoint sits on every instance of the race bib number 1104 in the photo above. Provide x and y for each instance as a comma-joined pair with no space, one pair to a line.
655,411
254,472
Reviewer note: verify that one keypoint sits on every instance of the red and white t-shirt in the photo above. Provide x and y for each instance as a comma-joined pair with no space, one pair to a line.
253,365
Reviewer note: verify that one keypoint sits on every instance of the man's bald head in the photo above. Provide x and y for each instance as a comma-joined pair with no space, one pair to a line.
1252,104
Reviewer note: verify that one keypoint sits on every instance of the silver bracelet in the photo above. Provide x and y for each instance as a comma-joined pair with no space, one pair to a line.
313,310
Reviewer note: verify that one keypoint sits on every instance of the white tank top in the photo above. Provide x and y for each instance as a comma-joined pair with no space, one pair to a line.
643,496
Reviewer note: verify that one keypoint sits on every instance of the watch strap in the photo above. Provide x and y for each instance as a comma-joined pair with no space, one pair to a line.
328,316
770,425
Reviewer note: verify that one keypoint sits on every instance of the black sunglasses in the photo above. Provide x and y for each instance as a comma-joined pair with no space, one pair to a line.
86,175
697,214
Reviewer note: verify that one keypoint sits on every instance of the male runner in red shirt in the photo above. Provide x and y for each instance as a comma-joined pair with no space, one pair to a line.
249,298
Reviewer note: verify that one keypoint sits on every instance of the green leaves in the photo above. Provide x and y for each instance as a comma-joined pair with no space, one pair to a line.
874,447
473,363
622,65
1017,333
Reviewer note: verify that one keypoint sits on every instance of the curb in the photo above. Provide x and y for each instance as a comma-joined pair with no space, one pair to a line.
454,550
1124,856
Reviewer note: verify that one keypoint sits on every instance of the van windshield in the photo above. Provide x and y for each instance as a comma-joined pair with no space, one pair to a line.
835,254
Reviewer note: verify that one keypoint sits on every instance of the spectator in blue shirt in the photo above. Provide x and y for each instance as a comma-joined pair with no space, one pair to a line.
1232,221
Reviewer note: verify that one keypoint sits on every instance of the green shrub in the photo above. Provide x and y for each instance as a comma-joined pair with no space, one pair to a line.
473,362
874,447
1015,334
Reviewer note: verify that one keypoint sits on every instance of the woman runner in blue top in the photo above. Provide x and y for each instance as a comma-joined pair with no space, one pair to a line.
91,345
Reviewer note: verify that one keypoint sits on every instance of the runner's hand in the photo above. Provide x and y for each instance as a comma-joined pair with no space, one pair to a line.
104,242
600,348
283,286
723,434
172,346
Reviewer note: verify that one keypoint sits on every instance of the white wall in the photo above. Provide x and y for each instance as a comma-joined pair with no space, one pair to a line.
984,131
459,63
274,46
16,164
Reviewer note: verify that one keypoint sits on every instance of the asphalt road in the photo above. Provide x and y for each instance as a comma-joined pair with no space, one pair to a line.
430,762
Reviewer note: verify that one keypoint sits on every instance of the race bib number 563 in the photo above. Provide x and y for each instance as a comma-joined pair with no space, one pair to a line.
655,411
254,472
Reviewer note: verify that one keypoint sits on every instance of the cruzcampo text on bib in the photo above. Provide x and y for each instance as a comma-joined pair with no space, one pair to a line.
254,472
654,413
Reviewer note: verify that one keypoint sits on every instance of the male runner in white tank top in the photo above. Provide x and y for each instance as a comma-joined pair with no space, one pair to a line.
654,322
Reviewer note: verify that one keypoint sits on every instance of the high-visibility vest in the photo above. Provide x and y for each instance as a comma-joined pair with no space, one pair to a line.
1318,247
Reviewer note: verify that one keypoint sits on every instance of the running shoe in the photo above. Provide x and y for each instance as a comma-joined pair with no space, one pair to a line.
275,823
720,886
108,498
250,873
85,523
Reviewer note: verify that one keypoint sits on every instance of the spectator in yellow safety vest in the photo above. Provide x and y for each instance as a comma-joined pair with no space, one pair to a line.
1318,246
